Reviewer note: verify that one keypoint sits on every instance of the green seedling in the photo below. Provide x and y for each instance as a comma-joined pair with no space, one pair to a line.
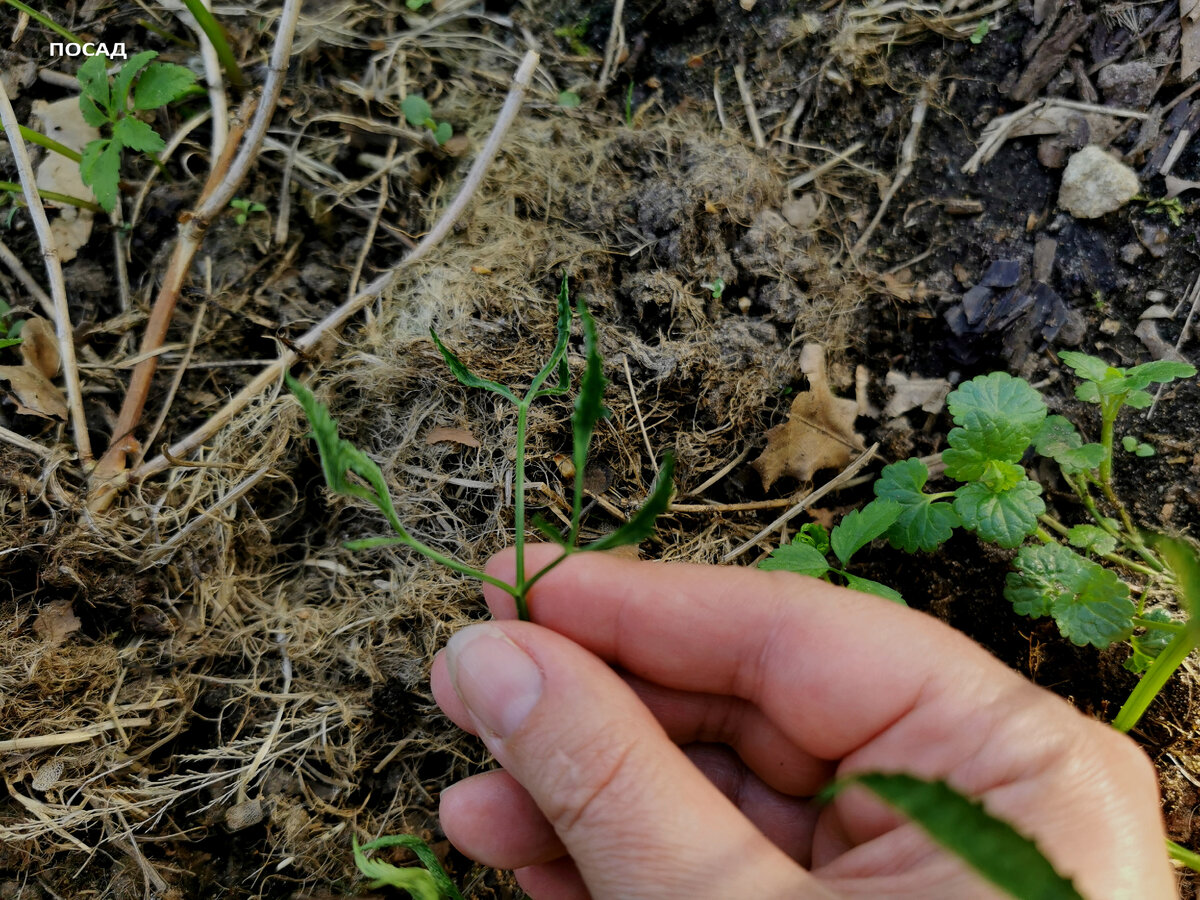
105,103
574,35
419,114
569,99
245,208
980,32
990,846
416,5
1136,447
808,552
1171,207
339,457
716,287
10,329
430,883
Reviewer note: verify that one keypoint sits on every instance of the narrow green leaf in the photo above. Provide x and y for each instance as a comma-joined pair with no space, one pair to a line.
547,529
563,385
990,846
1089,603
374,543
1181,557
423,853
124,78
465,375
641,524
867,586
416,110
799,556
9,342
93,82
558,357
1004,517
861,526
100,169
922,523
589,408
160,84
137,135
419,883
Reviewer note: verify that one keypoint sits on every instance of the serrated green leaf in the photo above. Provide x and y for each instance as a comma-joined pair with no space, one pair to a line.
972,448
922,523
465,375
1056,435
419,883
816,534
999,476
1139,400
93,82
990,846
9,342
1005,518
1082,459
1160,371
867,586
861,526
124,78
995,399
160,84
1092,538
799,556
589,405
1147,646
641,524
416,110
1089,603
1088,392
100,169
137,135
92,114
1091,368
423,853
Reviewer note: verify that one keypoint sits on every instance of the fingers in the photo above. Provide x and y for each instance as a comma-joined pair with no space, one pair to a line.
493,820
637,818
780,641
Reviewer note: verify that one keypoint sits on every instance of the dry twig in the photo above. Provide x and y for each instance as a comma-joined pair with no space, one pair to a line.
614,46
739,73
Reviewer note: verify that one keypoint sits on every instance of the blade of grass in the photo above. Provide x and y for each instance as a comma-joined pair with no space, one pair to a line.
560,344
641,524
45,20
216,34
589,408
36,137
465,375
423,853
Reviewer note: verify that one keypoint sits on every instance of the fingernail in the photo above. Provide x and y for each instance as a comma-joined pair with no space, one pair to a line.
497,681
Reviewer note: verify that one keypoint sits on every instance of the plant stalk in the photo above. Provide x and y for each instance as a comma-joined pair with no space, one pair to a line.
54,197
212,29
46,21
1183,855
1159,673
521,588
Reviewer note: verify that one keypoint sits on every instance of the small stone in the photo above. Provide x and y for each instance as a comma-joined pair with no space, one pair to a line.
1156,296
1156,311
1002,273
1096,183
801,212
1131,253
1110,326
1128,84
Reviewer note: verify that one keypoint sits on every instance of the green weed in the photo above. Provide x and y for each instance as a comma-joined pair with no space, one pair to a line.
419,114
245,208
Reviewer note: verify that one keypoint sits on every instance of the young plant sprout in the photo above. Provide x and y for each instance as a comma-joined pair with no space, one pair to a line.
245,208
419,114
340,457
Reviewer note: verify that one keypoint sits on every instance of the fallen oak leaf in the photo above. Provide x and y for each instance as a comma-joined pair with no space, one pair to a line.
36,394
442,434
819,433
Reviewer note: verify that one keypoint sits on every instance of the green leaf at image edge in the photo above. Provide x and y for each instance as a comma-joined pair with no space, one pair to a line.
993,848
423,853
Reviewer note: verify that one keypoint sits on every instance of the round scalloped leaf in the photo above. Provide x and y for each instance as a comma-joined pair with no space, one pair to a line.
1160,371
1093,538
995,399
1089,603
922,523
1090,367
1005,517
972,448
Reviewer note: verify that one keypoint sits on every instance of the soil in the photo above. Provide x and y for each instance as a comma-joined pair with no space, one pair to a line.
257,694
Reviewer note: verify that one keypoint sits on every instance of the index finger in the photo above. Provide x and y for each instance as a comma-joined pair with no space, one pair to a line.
833,667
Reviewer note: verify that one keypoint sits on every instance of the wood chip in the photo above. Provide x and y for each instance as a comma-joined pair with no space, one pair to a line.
1051,56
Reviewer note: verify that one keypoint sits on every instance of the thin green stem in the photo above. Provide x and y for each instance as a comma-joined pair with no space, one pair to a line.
36,137
1183,856
1130,540
1047,519
519,509
212,28
1116,559
462,568
1161,626
1108,418
1044,536
1159,673
545,570
53,196
45,20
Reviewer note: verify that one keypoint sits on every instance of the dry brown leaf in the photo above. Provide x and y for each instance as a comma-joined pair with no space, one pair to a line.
36,393
909,393
819,433
56,622
39,346
442,434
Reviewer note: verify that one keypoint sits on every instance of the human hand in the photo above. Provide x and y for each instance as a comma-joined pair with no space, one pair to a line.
737,695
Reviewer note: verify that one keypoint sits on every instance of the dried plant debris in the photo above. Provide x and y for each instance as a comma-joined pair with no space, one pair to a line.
31,382
819,433
928,394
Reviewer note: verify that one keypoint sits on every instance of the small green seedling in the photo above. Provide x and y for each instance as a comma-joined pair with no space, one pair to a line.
339,457
1136,447
417,5
430,883
10,330
569,99
105,103
574,35
716,287
993,848
980,32
808,552
1171,207
419,114
245,208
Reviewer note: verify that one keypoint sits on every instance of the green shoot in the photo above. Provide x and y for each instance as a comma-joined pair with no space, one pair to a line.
569,99
105,102
11,187
806,554
216,36
993,848
46,21
980,32
416,5
245,208
716,287
339,457
1136,447
574,35
430,883
419,114
36,137
1171,207
10,331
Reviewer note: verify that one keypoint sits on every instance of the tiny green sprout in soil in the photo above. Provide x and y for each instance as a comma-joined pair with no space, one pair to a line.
716,287
340,457
419,114
568,99
245,208
104,102
1084,577
430,883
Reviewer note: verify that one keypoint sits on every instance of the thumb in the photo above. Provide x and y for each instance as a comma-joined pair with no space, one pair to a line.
637,817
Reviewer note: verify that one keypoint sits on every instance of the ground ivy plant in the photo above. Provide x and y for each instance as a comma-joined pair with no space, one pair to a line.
340,459
1093,578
